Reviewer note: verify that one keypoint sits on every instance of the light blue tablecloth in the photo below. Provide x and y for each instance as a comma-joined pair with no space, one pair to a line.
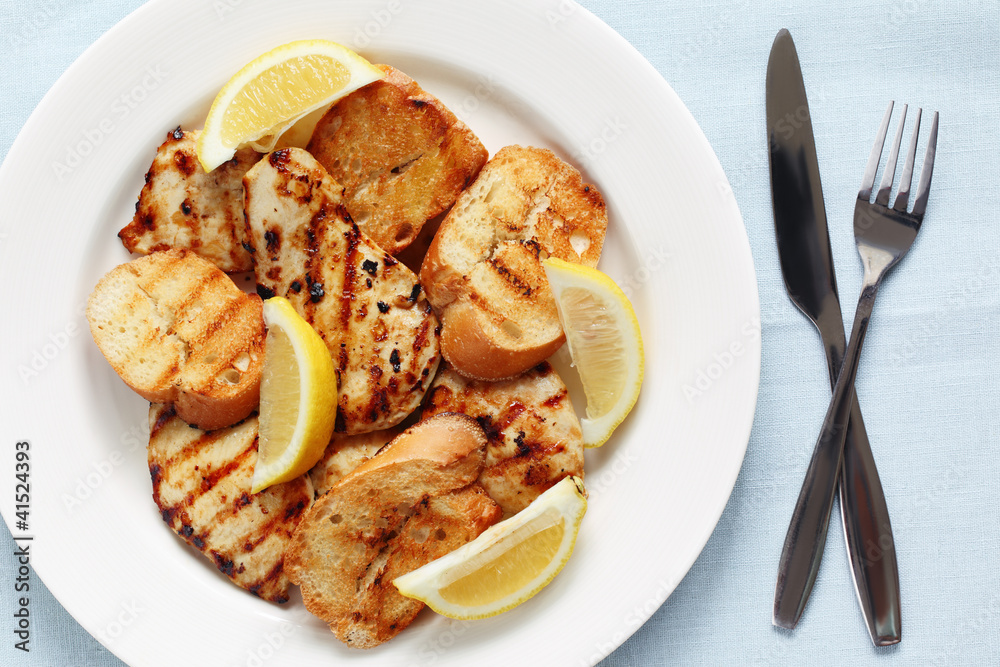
928,376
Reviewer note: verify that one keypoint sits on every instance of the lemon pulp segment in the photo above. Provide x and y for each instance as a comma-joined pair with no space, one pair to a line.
298,397
596,344
506,565
511,568
280,383
602,333
276,95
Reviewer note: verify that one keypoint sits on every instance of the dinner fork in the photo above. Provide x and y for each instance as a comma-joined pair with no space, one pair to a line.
883,235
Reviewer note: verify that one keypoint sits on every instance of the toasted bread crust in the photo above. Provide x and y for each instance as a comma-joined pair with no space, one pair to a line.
483,272
408,505
345,453
400,154
201,485
533,434
181,206
369,308
178,330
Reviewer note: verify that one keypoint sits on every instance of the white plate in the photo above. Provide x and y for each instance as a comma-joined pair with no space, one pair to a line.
544,73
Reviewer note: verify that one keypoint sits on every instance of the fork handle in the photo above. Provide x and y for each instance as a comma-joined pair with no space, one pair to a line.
806,537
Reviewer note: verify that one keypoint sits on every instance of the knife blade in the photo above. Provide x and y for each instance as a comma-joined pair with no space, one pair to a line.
808,272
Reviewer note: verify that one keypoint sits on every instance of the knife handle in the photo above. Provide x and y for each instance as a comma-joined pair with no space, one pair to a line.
868,532
871,549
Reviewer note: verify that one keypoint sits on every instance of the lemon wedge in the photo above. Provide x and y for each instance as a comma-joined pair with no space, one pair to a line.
272,92
298,397
604,341
506,565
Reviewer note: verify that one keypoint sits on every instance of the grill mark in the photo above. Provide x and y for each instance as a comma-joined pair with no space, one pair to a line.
190,449
281,527
438,398
231,311
531,470
420,340
314,231
294,512
224,554
270,580
161,420
241,464
556,399
353,239
190,452
185,162
166,378
209,481
272,239
379,403
279,159
513,411
225,565
342,357
491,430
510,277
522,448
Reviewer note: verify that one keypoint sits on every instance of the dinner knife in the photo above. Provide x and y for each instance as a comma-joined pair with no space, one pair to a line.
807,268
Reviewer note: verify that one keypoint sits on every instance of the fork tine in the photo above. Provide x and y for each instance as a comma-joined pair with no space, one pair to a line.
890,166
924,188
903,196
871,168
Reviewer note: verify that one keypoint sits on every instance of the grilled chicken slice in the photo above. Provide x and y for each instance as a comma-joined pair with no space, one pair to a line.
533,434
201,483
181,206
367,306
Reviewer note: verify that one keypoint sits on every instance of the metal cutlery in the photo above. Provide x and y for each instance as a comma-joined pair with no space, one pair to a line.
808,272
883,235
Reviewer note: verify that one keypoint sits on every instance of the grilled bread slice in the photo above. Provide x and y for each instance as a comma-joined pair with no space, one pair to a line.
201,483
368,307
410,504
345,453
181,206
483,271
178,330
400,154
533,434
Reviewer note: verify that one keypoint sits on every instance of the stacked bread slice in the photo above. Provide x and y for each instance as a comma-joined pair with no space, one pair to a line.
483,272
401,156
179,331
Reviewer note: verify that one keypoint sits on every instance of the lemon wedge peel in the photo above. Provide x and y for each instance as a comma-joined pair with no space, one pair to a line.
273,91
298,380
506,565
604,341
